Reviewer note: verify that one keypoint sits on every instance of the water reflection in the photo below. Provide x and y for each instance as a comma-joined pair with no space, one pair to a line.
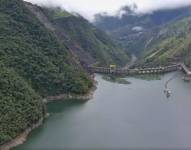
60,106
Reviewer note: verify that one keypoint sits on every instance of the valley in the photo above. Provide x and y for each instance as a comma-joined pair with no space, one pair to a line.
159,38
39,60
59,85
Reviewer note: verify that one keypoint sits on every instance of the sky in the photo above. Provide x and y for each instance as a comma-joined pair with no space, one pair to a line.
88,8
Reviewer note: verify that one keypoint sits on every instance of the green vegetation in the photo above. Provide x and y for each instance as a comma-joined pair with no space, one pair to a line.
55,13
115,79
35,53
89,40
34,64
173,44
20,106
137,33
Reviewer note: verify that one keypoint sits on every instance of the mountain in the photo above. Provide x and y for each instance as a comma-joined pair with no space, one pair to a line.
135,31
172,43
34,64
85,41
42,51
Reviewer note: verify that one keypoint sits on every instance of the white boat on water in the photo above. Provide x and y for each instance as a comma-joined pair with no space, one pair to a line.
168,92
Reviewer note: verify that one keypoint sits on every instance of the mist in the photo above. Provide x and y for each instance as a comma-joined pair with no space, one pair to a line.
88,8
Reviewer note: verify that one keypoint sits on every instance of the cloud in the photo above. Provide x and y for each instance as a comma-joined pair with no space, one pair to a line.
88,8
152,5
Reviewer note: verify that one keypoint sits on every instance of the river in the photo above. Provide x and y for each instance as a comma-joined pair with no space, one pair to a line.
137,115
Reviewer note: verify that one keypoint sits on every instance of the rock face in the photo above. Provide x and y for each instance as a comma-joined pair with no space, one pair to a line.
87,43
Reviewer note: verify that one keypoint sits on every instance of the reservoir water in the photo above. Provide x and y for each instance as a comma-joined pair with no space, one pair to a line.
137,116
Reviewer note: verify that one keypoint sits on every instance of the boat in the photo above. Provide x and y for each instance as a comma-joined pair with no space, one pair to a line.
167,92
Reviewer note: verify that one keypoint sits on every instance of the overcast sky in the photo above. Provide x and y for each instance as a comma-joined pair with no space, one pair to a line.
88,8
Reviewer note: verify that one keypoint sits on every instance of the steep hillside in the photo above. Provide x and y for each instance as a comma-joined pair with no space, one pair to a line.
35,53
34,64
89,44
20,106
134,32
171,44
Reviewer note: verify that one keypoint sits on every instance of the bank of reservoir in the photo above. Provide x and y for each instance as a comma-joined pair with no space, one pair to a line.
136,115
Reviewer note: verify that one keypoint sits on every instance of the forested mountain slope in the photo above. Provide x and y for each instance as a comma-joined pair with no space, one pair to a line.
34,64
171,44
84,40
135,31
20,105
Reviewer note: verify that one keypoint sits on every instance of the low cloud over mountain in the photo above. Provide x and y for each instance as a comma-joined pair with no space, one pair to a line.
88,8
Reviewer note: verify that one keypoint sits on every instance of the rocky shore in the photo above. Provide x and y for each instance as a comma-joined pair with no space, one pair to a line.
63,97
20,139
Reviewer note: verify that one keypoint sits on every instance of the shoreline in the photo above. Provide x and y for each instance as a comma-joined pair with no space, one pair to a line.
63,97
22,137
